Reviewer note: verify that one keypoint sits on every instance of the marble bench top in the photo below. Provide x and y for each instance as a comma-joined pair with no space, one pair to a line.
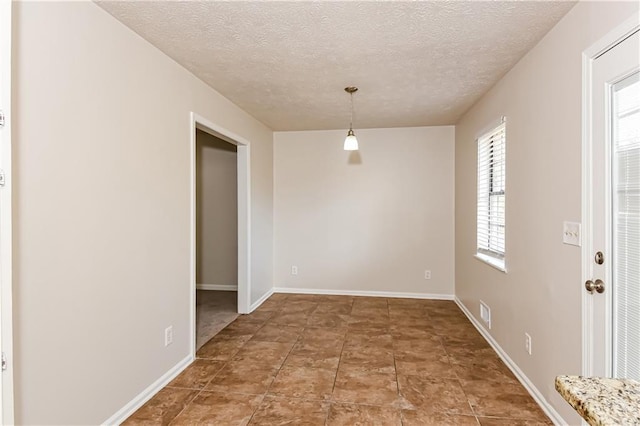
601,401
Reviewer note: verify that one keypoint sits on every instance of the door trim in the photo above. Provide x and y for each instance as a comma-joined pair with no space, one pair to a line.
611,39
244,216
6,243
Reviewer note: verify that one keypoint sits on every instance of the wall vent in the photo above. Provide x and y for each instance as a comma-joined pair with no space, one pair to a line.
485,314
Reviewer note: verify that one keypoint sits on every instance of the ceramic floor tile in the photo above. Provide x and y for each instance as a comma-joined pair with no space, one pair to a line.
489,398
218,408
327,361
375,360
306,307
323,334
241,328
371,313
416,334
278,333
427,364
328,320
278,297
495,421
380,338
242,377
296,319
222,348
293,298
417,347
309,347
269,306
397,303
367,357
281,411
427,418
328,298
366,388
162,408
483,370
363,415
377,302
303,382
372,322
197,375
264,353
260,316
333,308
434,395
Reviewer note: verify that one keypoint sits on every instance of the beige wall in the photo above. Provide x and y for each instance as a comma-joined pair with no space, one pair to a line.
368,221
101,140
541,293
216,211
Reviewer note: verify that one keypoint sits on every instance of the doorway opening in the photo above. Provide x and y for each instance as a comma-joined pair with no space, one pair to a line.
220,276
216,235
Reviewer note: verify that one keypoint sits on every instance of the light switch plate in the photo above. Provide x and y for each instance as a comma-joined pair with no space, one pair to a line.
571,233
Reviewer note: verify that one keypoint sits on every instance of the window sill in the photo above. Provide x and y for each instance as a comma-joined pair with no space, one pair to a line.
491,261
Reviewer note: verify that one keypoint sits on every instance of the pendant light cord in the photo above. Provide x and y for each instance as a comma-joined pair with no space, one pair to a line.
351,122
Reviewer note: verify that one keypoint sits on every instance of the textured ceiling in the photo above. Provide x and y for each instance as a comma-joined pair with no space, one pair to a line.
286,63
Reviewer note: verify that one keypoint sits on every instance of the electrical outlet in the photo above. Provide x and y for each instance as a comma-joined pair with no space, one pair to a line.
427,275
294,270
168,335
527,343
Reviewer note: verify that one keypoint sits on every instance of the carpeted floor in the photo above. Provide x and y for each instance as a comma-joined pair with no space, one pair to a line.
214,311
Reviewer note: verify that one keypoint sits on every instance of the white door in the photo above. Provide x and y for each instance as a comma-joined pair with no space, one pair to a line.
613,266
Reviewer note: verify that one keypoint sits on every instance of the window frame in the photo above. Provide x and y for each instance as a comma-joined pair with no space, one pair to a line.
489,253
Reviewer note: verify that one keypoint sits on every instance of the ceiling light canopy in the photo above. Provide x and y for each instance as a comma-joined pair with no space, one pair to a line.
351,142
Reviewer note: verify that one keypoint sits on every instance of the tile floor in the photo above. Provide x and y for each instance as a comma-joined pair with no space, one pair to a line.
337,360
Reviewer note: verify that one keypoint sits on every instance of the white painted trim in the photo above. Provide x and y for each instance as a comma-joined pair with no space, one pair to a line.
6,277
217,287
244,216
555,417
339,292
260,301
139,400
498,264
612,38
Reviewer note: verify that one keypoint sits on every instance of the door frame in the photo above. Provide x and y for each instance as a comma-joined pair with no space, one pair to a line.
610,40
6,243
244,215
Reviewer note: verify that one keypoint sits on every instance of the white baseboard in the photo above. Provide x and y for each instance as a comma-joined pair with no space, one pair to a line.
555,417
340,292
260,301
122,414
217,287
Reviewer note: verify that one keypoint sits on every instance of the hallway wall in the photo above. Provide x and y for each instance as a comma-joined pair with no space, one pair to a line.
216,211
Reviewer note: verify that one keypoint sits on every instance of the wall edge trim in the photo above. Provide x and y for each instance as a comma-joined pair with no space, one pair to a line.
217,287
255,305
340,292
139,400
555,417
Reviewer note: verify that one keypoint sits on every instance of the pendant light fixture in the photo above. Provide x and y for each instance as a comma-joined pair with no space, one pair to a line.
350,142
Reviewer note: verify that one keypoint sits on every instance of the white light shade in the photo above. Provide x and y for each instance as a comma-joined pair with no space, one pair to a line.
350,142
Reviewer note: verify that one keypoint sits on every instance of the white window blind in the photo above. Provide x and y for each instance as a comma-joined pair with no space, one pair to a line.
626,227
491,196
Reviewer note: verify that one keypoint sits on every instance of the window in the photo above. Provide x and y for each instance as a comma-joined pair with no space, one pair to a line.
491,197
